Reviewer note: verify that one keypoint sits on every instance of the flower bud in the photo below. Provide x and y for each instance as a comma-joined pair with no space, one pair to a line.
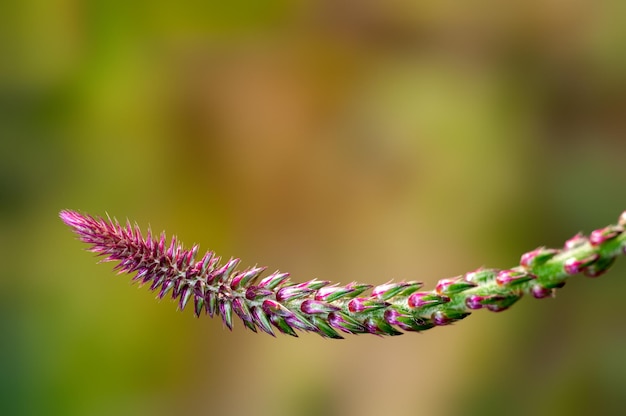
324,329
598,237
577,241
439,318
245,278
599,267
358,305
345,323
292,292
185,294
257,292
380,327
240,307
474,302
261,320
540,292
226,312
389,290
198,305
481,276
421,299
537,257
311,307
273,280
356,289
575,266
406,322
498,303
512,277
210,302
223,273
332,293
453,286
282,325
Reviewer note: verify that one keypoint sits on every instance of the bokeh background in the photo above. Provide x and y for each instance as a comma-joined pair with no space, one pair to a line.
344,140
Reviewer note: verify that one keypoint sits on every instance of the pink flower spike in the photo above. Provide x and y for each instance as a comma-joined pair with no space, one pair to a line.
275,303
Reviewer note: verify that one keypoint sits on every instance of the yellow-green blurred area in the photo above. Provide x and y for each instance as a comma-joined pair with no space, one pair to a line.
341,140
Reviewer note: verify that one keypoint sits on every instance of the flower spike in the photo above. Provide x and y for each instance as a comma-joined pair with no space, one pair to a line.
317,305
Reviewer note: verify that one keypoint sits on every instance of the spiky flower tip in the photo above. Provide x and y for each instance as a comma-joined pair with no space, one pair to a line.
274,302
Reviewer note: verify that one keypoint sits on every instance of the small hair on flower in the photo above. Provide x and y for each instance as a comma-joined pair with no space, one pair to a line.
274,302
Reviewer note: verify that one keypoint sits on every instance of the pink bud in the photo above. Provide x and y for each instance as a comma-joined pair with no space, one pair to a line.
345,324
474,302
391,316
443,284
576,241
332,293
598,237
480,275
356,305
540,292
508,277
256,292
291,292
269,306
440,319
310,307
373,327
246,278
420,299
537,257
452,286
273,280
574,266
389,290
497,307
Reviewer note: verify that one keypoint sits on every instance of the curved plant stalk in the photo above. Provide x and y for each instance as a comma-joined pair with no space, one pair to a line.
274,302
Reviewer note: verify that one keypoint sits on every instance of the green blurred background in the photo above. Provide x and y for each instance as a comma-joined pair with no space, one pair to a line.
344,140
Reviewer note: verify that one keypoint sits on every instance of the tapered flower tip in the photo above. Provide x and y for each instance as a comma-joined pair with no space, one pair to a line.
72,218
83,225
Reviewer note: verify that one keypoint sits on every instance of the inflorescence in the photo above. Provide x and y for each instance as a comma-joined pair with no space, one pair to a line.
275,302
